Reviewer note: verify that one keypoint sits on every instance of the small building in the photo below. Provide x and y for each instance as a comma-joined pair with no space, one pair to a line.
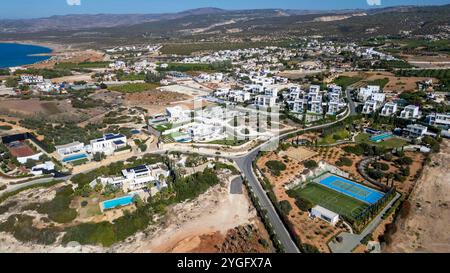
325,214
41,168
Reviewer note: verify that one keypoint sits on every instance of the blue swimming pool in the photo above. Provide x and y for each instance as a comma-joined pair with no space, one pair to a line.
381,137
351,189
118,202
74,157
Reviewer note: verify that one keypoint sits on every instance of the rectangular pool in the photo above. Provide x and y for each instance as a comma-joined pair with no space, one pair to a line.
118,202
351,189
74,157
381,137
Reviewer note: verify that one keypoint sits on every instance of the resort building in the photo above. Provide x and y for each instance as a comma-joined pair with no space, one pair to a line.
389,109
265,101
378,97
439,119
298,106
370,107
177,114
410,112
365,93
415,131
31,79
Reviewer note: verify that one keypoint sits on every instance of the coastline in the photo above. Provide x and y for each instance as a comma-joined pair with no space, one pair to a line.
56,50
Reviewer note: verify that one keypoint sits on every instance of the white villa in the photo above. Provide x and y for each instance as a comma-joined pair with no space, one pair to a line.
139,178
389,109
439,119
370,106
107,144
365,93
70,149
410,112
265,101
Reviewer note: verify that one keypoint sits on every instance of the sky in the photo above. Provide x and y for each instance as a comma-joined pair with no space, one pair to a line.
16,9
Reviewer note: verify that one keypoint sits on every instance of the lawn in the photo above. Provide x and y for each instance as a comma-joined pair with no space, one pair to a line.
380,82
333,138
388,143
163,127
133,87
345,81
330,199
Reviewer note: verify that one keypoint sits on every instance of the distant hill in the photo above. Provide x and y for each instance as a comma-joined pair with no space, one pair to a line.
88,21
213,23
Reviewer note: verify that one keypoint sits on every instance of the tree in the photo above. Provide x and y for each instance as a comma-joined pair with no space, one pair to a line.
12,82
138,201
285,207
86,190
98,187
310,164
143,147
99,156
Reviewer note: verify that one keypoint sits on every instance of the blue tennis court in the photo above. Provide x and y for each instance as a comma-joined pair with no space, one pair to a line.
351,189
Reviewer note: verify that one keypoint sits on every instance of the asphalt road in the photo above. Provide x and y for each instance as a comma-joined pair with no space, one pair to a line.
246,167
245,164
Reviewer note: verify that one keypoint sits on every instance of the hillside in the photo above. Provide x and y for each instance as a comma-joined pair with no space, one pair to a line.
216,24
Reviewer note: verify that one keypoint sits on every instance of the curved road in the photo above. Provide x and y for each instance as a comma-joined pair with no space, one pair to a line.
245,165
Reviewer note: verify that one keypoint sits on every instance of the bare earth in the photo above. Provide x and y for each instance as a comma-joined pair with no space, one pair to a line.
426,228
214,211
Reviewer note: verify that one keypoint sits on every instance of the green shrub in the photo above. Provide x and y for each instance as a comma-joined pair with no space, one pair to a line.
310,164
285,207
344,161
275,167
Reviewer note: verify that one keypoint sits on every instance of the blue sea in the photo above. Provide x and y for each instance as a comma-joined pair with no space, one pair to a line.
20,54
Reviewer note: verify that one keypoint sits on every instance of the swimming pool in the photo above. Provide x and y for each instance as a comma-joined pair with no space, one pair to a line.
351,189
118,202
74,157
381,137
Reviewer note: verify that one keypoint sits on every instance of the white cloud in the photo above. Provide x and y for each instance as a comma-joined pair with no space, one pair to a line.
374,2
73,2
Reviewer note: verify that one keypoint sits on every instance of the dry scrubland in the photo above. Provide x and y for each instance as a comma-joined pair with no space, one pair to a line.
426,228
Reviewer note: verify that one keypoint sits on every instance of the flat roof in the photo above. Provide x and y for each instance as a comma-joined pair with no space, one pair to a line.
324,211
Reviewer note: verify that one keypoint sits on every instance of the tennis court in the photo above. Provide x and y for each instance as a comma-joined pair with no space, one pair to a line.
330,199
350,188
